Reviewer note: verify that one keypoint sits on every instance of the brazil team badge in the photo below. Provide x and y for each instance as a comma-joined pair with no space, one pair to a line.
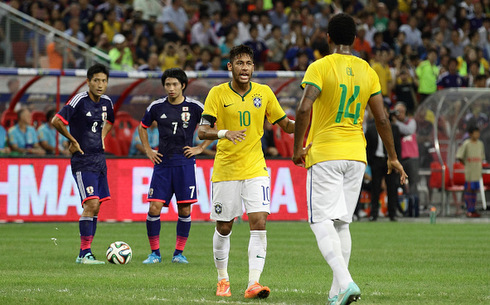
257,101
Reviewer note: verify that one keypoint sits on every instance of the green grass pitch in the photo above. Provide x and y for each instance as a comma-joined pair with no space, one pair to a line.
393,263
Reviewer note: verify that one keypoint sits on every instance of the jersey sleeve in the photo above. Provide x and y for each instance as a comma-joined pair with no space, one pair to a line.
147,119
273,111
66,113
110,112
312,77
375,85
211,103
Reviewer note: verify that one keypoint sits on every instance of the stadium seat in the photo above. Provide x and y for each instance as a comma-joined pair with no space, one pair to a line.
124,126
283,141
19,51
9,119
112,144
38,118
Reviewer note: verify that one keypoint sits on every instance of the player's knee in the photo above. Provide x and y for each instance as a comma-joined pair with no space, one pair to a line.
155,208
184,210
224,228
91,206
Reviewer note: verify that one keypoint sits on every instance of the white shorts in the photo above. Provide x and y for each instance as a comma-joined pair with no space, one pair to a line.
332,190
228,197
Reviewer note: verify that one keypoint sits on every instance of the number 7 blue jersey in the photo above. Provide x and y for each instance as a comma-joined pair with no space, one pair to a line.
176,125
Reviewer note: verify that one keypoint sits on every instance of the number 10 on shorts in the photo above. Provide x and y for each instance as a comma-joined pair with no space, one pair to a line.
266,195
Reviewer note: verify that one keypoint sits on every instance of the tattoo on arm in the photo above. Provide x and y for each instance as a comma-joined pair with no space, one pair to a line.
311,92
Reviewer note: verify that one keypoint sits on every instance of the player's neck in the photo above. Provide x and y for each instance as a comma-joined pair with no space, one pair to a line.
93,97
240,88
177,100
342,49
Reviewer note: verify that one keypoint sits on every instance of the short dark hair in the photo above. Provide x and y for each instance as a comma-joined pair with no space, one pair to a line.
177,73
97,68
236,51
50,114
472,128
342,29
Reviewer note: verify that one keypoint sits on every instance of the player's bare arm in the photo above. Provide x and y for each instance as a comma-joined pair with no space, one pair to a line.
196,150
287,125
206,132
105,130
60,126
383,126
153,155
302,120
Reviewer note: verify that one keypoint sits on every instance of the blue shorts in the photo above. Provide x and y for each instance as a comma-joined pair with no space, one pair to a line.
472,185
178,180
92,185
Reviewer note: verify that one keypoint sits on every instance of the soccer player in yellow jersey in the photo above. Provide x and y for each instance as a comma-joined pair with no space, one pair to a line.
337,89
234,113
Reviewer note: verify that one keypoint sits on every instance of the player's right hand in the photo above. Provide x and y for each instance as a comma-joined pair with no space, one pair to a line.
154,156
236,135
299,156
396,165
74,147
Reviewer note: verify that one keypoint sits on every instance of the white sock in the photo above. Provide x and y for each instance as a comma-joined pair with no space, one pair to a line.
257,251
221,251
345,245
329,245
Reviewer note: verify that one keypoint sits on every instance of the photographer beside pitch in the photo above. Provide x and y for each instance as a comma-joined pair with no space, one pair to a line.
337,88
87,114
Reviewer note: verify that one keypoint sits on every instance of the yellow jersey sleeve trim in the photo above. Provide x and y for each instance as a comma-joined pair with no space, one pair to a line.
376,93
279,119
309,83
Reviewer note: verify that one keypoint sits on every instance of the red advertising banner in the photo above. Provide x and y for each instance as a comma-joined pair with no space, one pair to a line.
43,189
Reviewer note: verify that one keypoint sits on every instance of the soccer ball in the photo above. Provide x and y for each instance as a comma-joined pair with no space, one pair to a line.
119,253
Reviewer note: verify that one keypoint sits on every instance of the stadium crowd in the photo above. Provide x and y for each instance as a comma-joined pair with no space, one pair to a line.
415,47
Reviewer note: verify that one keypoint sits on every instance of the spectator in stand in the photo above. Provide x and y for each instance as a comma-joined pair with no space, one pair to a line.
427,73
111,5
227,44
152,65
409,155
268,146
472,154
47,136
55,51
121,56
405,90
361,45
277,16
4,148
381,67
381,18
427,43
443,26
480,81
149,8
290,58
303,62
413,34
323,16
370,29
171,56
277,47
23,137
142,50
213,6
455,45
391,33
175,21
244,27
87,12
379,44
258,46
111,25
216,63
451,78
202,33
95,33
264,26
204,63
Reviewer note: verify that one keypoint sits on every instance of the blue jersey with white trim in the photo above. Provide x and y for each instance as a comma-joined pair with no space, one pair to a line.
176,125
86,119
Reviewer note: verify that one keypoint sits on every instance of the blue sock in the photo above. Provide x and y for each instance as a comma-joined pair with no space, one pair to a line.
183,228
86,235
153,226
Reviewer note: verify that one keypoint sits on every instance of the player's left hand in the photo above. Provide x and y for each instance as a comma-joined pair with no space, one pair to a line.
396,166
192,151
299,156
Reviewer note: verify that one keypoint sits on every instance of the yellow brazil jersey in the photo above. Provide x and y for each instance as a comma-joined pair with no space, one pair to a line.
346,83
232,111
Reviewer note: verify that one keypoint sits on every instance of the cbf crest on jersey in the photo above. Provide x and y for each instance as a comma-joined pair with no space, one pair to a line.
186,116
257,99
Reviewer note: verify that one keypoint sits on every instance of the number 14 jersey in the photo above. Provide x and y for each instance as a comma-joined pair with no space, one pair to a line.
346,84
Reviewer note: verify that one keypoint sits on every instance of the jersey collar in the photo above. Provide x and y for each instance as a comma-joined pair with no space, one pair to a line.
242,96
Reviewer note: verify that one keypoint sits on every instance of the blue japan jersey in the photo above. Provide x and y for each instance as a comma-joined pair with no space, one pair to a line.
86,119
176,125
